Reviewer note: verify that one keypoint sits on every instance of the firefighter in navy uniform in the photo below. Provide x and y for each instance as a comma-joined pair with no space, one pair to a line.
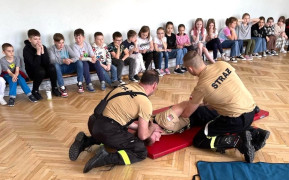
110,127
230,109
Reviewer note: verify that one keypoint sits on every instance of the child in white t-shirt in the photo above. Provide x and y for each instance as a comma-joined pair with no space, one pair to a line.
146,47
160,44
199,35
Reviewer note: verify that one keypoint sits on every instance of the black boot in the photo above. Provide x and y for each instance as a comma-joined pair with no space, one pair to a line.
101,158
97,160
240,141
80,143
259,137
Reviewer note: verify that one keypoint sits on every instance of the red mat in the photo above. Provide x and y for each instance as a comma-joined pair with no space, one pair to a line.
174,142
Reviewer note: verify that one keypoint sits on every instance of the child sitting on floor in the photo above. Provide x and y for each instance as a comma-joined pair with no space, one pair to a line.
11,70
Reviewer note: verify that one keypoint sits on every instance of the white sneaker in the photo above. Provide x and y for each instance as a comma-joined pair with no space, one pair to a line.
224,57
2,101
283,51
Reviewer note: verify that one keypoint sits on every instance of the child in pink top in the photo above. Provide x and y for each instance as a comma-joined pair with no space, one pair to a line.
199,35
183,40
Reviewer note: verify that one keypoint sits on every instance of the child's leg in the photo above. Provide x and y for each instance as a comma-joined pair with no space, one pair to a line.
283,42
252,47
147,57
137,63
59,74
257,44
12,86
166,59
119,65
264,47
240,42
139,56
21,81
2,87
86,73
156,57
106,76
161,55
248,45
205,50
179,57
79,70
97,67
113,72
131,63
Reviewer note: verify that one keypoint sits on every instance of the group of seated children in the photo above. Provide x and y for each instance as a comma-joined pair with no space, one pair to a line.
137,51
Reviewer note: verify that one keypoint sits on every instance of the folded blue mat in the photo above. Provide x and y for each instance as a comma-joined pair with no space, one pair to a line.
242,171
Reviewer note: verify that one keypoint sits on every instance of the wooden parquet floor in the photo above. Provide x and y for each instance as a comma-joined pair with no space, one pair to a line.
35,137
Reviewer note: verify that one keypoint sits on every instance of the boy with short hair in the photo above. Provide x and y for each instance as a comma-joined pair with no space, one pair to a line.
84,53
65,61
271,38
11,70
103,56
131,45
120,57
37,63
2,89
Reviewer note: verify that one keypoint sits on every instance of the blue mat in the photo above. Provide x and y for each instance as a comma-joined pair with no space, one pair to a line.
242,171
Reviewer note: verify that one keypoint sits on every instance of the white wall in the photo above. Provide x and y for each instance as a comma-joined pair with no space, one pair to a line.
64,16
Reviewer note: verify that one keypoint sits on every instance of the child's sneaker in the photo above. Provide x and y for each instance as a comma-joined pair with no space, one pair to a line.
283,51
159,72
63,92
136,77
257,55
241,57
264,54
224,57
102,85
162,72
274,53
132,79
184,69
2,101
234,60
178,71
90,87
37,95
11,102
248,57
80,88
268,53
32,98
121,82
167,71
114,84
